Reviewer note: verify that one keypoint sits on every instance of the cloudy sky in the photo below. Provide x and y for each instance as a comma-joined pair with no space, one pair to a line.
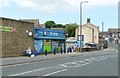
62,11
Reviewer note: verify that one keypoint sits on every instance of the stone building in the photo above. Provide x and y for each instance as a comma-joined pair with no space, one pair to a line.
103,34
15,36
114,34
89,31
35,21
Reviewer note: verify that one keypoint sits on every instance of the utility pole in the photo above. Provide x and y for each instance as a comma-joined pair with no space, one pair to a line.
102,33
81,24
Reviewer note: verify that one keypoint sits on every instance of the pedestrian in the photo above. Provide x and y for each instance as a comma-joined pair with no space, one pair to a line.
54,51
68,50
45,52
72,48
61,50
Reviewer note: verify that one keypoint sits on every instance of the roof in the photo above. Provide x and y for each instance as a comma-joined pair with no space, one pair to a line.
35,21
104,33
112,30
90,25
42,25
15,20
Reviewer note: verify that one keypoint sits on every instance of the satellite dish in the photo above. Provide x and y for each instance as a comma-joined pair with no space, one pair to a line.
27,31
30,33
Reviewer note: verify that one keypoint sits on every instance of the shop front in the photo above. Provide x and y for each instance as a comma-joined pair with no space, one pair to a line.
50,40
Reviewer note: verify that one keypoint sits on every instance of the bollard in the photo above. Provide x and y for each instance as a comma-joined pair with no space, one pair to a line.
45,52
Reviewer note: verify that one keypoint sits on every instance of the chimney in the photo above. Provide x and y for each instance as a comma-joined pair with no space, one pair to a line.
88,20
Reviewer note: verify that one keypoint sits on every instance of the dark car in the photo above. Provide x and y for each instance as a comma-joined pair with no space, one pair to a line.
90,44
105,44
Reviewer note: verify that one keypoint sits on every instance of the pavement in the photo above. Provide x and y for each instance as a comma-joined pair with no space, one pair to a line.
26,59
94,63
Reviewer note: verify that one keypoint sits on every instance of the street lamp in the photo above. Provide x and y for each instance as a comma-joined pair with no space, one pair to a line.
102,34
81,24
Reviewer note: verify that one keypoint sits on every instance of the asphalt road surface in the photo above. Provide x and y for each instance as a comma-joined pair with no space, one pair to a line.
114,46
101,63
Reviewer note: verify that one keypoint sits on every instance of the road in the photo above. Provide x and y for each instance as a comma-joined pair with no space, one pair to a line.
101,63
114,46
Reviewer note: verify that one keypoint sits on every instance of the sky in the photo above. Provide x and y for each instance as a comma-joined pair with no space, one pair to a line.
63,11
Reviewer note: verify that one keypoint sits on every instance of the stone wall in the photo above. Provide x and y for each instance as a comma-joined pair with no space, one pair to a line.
90,34
14,43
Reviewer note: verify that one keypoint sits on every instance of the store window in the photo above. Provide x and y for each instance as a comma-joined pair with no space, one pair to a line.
47,45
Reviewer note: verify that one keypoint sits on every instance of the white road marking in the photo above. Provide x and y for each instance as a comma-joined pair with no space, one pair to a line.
94,59
55,72
81,62
68,64
64,65
84,64
88,60
76,63
27,72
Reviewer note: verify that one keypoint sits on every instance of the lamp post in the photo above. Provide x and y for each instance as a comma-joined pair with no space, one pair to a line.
102,34
81,24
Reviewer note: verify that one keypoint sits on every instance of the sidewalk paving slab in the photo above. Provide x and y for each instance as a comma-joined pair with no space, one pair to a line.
25,59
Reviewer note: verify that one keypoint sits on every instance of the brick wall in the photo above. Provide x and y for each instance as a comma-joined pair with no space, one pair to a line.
14,43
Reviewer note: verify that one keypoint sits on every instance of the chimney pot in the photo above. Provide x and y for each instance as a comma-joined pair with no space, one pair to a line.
88,20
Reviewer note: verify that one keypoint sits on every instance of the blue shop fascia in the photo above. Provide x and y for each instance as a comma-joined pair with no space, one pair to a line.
49,39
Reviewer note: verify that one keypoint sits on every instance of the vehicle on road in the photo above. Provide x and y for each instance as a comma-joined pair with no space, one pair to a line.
90,44
71,43
103,43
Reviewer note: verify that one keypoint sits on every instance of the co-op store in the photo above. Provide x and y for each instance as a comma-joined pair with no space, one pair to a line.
49,39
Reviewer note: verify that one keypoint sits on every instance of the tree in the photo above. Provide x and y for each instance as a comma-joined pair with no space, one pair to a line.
58,26
70,29
49,24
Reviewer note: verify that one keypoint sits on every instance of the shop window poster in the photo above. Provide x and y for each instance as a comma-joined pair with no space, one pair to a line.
47,45
38,45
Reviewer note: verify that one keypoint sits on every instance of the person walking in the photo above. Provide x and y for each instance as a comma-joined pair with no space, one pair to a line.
61,50
54,51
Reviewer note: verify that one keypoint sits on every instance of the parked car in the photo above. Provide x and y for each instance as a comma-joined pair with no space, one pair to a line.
90,44
105,44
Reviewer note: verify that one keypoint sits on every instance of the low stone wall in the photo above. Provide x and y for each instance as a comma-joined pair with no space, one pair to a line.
87,49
